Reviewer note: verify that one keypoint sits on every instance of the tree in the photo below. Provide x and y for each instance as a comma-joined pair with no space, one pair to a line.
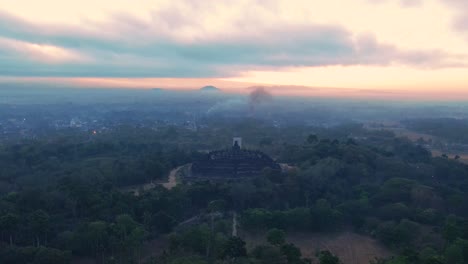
293,254
39,224
97,235
234,248
430,256
394,211
451,230
136,239
241,193
125,224
326,257
160,222
51,256
273,175
130,234
421,141
266,142
8,225
454,254
269,255
217,206
323,216
407,231
311,139
183,260
195,239
463,244
276,237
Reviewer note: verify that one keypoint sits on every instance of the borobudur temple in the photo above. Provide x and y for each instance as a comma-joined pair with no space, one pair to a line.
234,162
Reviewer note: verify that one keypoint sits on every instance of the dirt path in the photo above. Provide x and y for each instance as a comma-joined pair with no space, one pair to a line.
172,180
234,224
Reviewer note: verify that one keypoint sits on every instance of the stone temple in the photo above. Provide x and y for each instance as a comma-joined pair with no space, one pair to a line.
234,162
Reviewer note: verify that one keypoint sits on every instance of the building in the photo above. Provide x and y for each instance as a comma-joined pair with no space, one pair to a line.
234,162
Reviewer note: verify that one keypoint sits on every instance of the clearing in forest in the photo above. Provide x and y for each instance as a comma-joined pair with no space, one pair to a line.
350,247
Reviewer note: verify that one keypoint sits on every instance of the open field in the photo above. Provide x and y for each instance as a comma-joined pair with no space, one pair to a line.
400,131
438,153
351,248
415,136
411,135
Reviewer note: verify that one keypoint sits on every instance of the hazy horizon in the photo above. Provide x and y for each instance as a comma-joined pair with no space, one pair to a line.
366,49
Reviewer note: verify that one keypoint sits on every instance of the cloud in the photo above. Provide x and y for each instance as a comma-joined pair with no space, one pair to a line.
411,3
461,21
170,44
47,54
460,7
404,3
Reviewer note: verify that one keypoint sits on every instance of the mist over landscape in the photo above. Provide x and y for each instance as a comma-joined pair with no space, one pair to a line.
98,155
234,132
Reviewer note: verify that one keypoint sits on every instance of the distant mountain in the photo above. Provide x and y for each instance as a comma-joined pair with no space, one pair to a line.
210,88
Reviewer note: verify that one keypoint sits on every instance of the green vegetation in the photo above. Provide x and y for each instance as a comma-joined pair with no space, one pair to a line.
452,129
62,198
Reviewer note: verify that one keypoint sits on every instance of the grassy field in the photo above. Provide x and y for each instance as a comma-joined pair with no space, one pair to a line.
351,248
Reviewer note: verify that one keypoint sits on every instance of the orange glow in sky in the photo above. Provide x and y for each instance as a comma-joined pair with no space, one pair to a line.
355,48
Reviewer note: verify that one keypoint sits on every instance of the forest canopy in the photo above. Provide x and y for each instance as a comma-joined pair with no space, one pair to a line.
64,198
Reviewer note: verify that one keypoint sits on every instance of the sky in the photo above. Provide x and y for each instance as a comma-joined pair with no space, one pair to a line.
370,48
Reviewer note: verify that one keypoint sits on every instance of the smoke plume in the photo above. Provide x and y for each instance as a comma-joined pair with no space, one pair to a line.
258,96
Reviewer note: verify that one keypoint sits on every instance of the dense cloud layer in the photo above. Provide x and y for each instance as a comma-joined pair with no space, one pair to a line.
174,43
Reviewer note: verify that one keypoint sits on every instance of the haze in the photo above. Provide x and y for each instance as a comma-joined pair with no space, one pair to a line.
234,132
407,47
